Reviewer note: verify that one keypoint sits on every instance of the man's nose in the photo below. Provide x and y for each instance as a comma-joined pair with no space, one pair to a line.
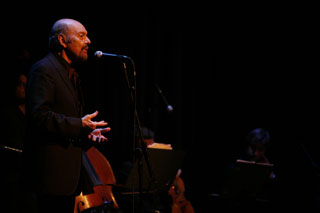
88,40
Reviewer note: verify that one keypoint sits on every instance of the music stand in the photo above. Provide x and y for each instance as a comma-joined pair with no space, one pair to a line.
247,179
165,164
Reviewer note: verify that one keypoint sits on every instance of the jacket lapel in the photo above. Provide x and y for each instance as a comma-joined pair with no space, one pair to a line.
63,72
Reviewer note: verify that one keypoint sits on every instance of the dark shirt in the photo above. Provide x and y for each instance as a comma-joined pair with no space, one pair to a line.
75,80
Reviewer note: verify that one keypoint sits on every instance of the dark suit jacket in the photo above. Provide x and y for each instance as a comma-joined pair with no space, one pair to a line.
54,128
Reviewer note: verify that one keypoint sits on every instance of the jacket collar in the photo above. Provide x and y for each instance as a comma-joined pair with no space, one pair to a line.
63,68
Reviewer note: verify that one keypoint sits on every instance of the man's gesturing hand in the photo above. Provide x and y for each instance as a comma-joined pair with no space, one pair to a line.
96,134
87,122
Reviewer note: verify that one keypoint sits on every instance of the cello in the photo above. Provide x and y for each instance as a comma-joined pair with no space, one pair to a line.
102,179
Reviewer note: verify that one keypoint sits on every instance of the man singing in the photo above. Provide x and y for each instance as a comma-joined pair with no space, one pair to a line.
57,128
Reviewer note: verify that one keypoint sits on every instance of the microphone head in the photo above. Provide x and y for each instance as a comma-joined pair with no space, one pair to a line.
98,54
169,108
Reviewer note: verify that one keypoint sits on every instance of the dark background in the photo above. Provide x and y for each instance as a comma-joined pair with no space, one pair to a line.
225,71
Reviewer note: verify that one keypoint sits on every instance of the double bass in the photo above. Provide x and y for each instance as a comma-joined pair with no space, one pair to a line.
102,179
179,202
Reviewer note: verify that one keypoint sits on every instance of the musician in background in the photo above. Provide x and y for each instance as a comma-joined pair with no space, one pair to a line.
14,112
58,129
13,108
257,144
14,132
258,141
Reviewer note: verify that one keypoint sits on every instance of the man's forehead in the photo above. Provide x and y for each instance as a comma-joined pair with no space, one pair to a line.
70,26
76,27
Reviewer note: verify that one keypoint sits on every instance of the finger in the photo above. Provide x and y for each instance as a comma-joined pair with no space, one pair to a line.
103,130
100,123
90,116
103,139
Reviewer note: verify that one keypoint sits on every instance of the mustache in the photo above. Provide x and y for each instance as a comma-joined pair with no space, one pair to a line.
85,47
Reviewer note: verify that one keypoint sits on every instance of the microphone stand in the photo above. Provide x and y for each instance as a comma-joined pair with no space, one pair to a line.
140,150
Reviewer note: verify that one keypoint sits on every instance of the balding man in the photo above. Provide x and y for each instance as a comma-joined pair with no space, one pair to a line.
57,128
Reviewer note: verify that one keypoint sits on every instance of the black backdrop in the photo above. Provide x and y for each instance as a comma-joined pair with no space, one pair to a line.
225,72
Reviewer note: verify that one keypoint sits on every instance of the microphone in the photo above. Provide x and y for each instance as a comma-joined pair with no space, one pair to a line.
99,54
169,107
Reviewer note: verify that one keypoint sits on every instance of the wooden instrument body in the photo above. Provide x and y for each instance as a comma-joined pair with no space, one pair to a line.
102,177
179,203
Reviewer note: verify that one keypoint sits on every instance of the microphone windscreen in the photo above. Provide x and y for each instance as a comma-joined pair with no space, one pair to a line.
98,54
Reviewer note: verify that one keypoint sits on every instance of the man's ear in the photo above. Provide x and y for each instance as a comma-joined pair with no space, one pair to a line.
62,40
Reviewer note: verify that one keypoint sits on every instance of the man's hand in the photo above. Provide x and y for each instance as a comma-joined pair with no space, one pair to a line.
87,122
96,135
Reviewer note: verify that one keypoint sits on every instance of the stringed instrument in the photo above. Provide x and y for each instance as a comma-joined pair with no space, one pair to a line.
179,203
102,179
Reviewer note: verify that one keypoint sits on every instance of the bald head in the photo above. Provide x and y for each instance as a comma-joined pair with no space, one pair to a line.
63,26
70,37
